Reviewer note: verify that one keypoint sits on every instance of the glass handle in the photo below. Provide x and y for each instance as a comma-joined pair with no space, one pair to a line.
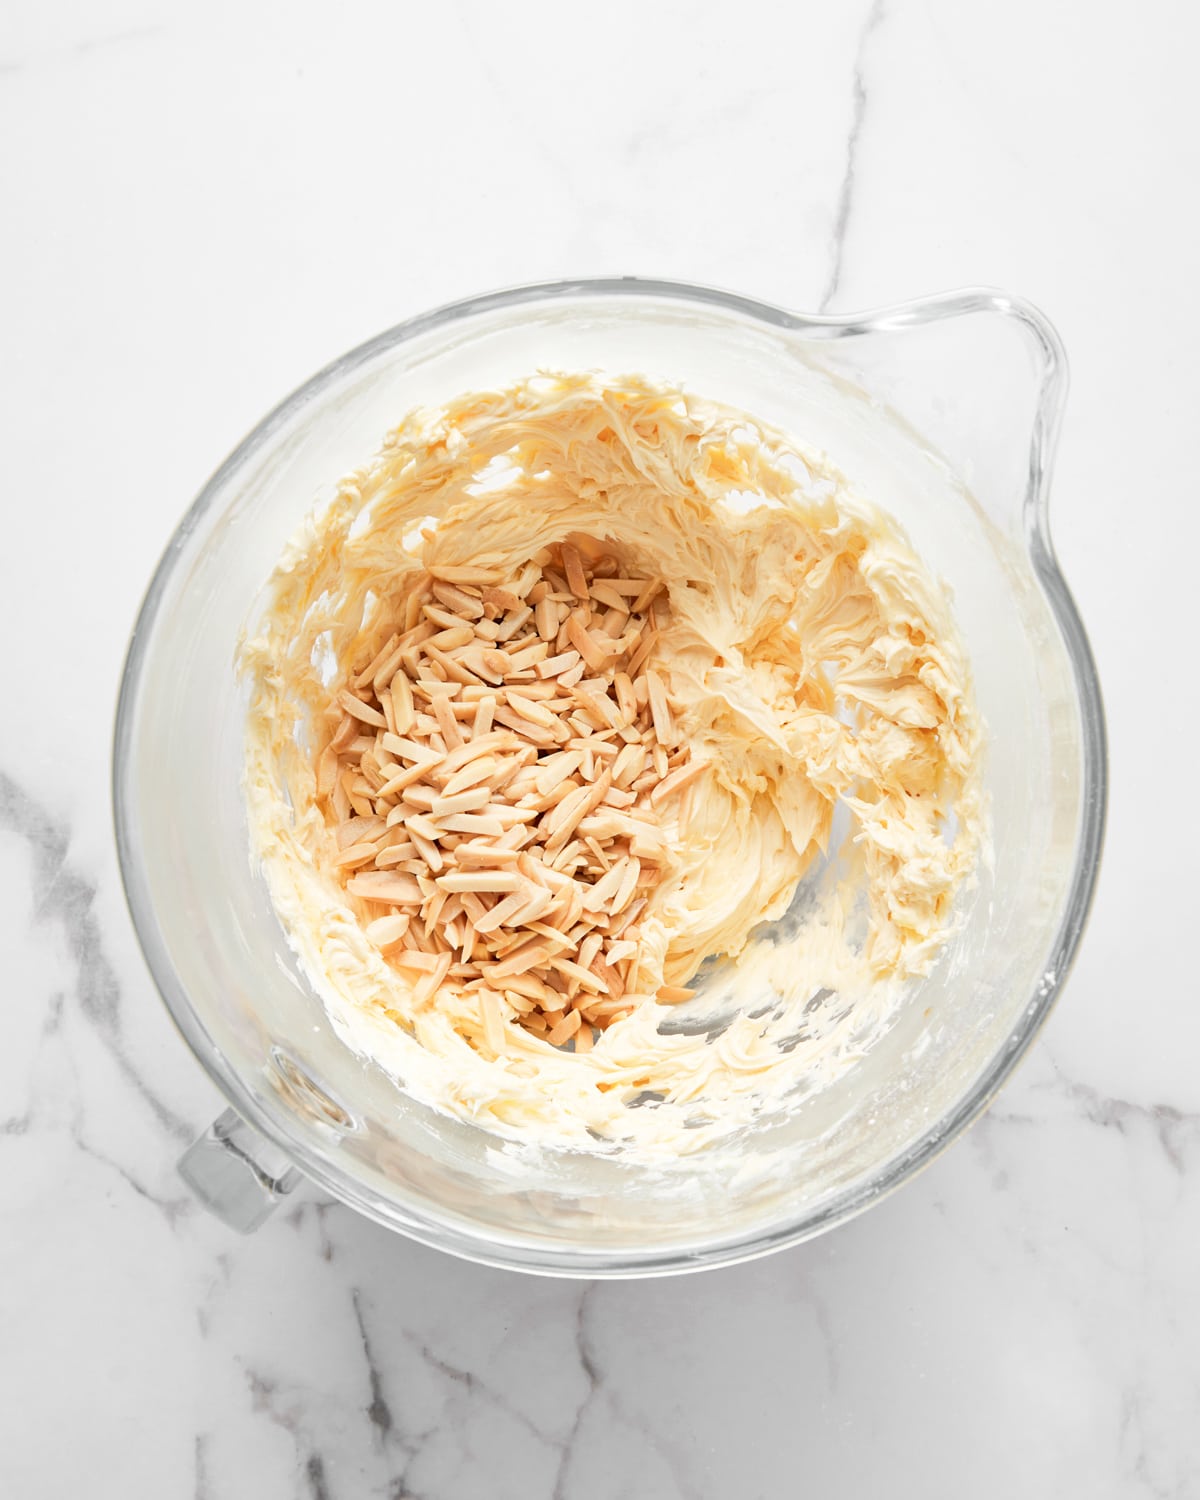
236,1173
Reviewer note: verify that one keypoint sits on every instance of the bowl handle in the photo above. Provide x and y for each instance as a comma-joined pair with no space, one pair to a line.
236,1173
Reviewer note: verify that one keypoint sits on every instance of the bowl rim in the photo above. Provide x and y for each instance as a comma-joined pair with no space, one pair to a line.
452,1233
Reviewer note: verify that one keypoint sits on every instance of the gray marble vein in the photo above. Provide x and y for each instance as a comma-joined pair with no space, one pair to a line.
846,193
65,898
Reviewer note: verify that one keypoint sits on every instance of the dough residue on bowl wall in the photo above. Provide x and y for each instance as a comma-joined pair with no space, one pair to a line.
811,662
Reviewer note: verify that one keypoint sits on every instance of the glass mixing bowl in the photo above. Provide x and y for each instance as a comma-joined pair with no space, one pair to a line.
944,412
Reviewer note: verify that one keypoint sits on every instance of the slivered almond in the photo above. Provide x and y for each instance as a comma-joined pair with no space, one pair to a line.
387,933
660,710
582,977
447,723
469,606
355,855
546,619
470,775
529,656
481,880
565,1029
346,731
396,854
361,679
552,666
327,770
467,801
573,566
677,780
542,737
501,599
427,848
361,711
583,641
485,854
647,596
483,719
463,573
673,994
405,779
529,709
471,823
513,623
429,984
555,769
379,885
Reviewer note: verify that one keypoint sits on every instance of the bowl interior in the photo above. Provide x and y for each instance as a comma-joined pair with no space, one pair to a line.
220,958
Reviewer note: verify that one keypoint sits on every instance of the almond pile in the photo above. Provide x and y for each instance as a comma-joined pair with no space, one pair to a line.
494,778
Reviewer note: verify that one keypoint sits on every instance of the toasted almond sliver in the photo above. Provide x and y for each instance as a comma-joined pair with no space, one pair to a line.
356,854
573,566
361,711
673,994
501,599
555,769
387,933
468,801
631,588
501,914
677,780
429,984
408,749
471,823
546,620
447,723
604,593
464,573
552,666
660,710
381,885
483,718
403,780
480,744
534,733
528,956
372,668
538,900
469,606
485,854
447,619
395,854
471,775
601,894
414,958
584,643
583,977
513,623
327,769
481,880
528,657
565,1029
528,709
427,849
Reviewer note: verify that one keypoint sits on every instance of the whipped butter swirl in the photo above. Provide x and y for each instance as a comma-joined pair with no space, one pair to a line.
812,662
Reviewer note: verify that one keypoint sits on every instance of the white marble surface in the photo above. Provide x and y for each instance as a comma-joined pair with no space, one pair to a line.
203,203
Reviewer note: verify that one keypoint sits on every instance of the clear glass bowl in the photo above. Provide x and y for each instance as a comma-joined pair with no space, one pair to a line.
944,412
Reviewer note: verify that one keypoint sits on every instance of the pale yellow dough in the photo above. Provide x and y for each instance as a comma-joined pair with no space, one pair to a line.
813,660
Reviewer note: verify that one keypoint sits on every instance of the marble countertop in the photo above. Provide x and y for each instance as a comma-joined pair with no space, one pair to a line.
205,203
